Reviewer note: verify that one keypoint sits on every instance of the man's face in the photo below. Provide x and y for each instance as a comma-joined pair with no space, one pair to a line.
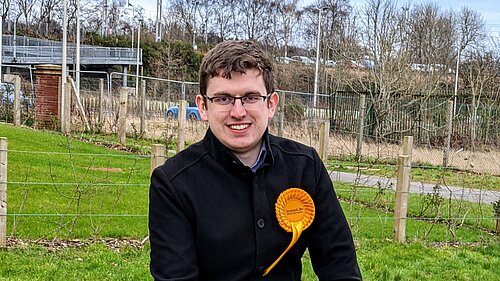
239,127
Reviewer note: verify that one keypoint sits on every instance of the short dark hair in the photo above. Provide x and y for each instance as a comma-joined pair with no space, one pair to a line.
237,56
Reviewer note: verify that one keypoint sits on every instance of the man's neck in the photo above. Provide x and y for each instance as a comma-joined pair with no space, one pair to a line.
250,157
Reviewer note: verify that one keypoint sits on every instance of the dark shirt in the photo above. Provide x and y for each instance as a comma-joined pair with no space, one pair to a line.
212,218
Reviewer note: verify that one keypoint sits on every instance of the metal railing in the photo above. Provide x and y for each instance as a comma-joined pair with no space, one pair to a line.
25,50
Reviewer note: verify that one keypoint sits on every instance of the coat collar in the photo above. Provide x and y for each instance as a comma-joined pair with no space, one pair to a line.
225,157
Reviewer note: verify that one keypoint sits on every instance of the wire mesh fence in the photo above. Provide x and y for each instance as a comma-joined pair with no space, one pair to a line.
73,193
93,200
371,130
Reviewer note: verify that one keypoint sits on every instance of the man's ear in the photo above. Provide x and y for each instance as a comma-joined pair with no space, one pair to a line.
201,103
272,104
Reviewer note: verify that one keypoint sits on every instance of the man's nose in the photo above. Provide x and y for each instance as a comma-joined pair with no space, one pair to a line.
238,110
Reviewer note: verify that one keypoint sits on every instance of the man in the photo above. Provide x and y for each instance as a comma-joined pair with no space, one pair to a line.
212,206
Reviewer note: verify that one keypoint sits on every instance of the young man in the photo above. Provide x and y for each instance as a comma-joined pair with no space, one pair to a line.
212,206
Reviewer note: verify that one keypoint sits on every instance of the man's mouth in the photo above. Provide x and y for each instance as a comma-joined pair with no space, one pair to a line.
239,126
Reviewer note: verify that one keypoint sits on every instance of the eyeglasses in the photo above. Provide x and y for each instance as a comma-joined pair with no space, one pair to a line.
227,102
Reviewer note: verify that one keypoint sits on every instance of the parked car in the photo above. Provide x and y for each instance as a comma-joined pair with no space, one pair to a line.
7,95
304,60
191,112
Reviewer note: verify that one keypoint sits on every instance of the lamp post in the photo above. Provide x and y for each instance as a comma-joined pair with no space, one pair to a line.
316,73
194,25
1,43
137,58
77,59
158,20
64,73
455,94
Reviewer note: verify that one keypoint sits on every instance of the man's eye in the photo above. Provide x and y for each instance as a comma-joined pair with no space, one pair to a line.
222,99
251,98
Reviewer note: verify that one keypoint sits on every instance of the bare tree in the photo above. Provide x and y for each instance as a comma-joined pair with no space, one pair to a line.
5,5
46,20
254,22
223,18
285,20
25,8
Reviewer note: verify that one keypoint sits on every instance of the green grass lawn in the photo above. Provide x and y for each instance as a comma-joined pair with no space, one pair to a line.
60,187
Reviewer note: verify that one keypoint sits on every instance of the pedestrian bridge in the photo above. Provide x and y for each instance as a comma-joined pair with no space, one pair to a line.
22,50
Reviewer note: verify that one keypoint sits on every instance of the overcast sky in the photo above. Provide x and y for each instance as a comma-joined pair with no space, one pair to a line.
489,9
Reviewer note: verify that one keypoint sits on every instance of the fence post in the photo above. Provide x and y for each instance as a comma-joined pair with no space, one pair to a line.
281,127
101,100
446,152
361,125
143,106
3,192
181,118
324,135
16,80
67,108
122,115
402,185
157,156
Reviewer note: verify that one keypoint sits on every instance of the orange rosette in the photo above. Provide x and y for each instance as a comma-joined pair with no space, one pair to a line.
295,212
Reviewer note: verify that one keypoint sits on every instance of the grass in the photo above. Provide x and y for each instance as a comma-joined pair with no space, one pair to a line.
93,262
421,173
424,207
61,187
91,205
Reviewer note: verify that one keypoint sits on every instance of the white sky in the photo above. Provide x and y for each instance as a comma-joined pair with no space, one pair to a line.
489,9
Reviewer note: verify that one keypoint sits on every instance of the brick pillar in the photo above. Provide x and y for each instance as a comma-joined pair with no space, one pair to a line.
47,93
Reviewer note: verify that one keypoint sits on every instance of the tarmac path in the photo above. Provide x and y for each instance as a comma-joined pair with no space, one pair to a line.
453,192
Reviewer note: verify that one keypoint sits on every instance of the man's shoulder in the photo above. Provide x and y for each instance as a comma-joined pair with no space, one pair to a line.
183,160
289,146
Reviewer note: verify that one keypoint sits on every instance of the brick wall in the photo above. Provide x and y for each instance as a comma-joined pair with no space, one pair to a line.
47,96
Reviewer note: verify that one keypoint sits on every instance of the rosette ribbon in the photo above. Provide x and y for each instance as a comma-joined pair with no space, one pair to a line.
295,213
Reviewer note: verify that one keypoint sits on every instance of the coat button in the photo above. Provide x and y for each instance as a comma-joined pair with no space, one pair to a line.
261,223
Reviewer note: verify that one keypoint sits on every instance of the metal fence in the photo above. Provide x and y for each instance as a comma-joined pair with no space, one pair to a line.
423,117
475,128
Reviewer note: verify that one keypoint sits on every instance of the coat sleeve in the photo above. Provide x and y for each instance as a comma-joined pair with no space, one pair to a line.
173,252
331,245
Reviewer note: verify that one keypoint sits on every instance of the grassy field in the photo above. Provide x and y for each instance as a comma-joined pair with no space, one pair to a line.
62,188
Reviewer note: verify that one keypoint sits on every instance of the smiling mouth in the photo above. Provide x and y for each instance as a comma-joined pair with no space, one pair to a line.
239,126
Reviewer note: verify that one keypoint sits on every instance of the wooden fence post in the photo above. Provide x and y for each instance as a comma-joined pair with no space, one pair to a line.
122,115
402,185
67,108
181,118
143,107
361,126
101,101
16,80
324,136
3,192
496,209
157,156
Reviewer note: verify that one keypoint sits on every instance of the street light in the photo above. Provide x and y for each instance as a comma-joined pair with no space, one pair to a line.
194,25
137,61
64,73
1,43
158,20
316,73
